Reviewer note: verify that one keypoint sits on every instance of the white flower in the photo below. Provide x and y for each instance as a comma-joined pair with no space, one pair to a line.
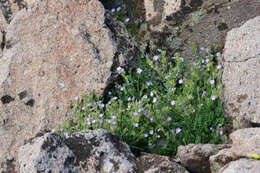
172,102
213,97
139,70
218,54
212,82
119,69
154,99
219,67
180,81
127,20
151,94
112,10
155,58
118,9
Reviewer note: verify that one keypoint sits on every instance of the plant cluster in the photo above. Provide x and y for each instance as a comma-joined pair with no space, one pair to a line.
162,103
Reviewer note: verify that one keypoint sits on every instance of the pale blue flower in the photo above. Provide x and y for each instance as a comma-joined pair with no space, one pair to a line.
169,119
120,70
112,10
151,132
219,66
218,54
148,83
118,9
151,118
127,20
178,130
145,135
154,99
139,70
172,102
155,57
180,81
213,97
136,124
101,115
211,82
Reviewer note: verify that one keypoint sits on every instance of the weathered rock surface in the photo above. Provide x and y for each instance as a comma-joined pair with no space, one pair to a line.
245,143
242,166
241,75
195,157
86,151
47,153
151,163
11,7
52,49
205,22
99,151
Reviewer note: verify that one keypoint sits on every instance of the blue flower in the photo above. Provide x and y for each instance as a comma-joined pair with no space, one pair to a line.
178,130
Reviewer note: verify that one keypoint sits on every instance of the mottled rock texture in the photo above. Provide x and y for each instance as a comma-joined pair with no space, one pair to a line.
241,75
195,157
47,153
99,151
242,166
52,48
151,163
245,143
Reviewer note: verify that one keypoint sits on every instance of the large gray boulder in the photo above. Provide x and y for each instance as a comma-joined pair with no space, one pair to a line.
99,151
52,48
47,153
241,75
89,151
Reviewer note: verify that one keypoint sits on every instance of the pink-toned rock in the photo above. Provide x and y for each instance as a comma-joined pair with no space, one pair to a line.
246,142
241,75
242,166
52,49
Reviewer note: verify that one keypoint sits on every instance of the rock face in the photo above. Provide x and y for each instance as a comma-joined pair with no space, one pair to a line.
241,75
242,166
246,143
86,151
195,157
47,154
151,163
99,151
72,44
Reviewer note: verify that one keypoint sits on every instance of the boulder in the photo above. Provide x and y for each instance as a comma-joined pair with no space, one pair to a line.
241,166
246,144
72,44
86,151
241,75
47,153
150,163
195,157
99,151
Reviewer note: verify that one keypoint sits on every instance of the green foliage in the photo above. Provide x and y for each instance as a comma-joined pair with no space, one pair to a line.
160,105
